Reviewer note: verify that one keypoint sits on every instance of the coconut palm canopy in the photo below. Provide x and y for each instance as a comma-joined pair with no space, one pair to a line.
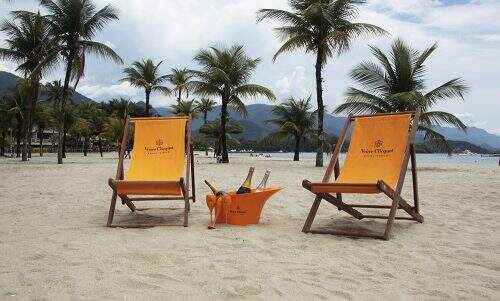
145,74
226,73
213,130
185,108
294,118
73,26
205,106
28,42
396,83
180,78
322,27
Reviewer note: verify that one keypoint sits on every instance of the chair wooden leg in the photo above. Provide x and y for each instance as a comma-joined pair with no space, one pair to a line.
414,179
185,194
193,188
112,209
186,211
312,214
128,202
391,218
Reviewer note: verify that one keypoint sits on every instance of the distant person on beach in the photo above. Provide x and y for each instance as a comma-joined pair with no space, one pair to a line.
128,151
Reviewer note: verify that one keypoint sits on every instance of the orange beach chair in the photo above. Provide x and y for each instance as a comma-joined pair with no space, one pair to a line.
376,162
161,166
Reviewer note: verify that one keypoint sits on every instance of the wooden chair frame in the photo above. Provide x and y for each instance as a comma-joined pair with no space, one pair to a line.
183,182
395,195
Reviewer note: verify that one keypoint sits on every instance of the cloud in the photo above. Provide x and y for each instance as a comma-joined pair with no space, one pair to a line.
468,33
480,123
495,131
100,92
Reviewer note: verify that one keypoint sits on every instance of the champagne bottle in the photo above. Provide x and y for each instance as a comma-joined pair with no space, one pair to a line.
263,183
246,186
215,190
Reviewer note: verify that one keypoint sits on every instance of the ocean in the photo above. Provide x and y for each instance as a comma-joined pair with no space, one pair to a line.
421,158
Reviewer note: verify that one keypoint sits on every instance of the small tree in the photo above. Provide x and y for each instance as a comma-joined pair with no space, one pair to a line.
145,74
294,118
205,106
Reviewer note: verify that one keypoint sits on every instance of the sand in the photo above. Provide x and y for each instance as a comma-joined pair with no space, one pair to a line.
54,244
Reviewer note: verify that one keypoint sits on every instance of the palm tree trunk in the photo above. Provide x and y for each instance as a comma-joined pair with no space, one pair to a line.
27,123
2,147
61,135
85,145
19,126
205,122
64,145
179,96
297,149
36,88
147,102
40,134
99,144
319,98
225,157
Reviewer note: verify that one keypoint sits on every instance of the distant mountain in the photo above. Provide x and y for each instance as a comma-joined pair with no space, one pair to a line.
256,127
8,82
473,135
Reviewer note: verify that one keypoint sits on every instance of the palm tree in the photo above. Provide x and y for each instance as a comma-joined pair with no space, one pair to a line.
43,118
82,128
7,123
181,80
145,74
294,118
28,40
322,27
185,108
396,83
215,131
205,106
113,130
74,23
90,123
225,73
16,104
55,92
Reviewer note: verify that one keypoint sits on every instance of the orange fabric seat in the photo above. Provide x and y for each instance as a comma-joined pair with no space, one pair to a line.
376,153
147,188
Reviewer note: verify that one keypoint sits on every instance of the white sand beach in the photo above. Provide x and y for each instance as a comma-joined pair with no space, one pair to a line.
54,244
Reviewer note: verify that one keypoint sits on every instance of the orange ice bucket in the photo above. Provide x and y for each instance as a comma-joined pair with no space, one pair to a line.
240,209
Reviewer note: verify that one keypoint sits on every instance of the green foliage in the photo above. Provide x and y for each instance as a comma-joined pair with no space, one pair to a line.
205,106
225,74
145,74
319,26
213,130
293,118
181,80
396,83
185,108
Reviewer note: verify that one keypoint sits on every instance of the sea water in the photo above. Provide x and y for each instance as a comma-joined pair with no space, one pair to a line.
455,159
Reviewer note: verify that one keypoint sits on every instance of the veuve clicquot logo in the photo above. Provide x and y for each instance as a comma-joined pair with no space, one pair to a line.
378,149
158,148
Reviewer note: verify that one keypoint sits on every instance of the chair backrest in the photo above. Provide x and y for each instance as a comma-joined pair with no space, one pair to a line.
159,151
377,149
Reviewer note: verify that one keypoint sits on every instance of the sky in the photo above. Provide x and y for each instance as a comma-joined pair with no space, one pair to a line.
467,32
